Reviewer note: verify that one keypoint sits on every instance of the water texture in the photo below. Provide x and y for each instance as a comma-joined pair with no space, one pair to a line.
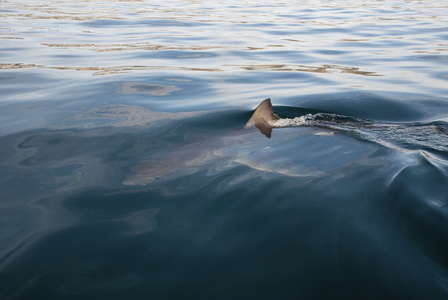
404,136
126,171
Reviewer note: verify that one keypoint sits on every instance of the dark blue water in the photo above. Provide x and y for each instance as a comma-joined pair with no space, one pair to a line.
126,171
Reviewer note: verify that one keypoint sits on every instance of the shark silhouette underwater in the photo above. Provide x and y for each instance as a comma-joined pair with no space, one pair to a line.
218,152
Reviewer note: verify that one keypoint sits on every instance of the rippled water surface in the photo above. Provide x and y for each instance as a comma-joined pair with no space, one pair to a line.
126,171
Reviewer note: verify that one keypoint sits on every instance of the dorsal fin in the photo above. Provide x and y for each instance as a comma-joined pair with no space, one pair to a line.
261,117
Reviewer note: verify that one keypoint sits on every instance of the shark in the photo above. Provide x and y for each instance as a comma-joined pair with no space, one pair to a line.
245,146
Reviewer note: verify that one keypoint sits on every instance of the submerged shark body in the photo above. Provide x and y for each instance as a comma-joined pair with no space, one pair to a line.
212,154
246,147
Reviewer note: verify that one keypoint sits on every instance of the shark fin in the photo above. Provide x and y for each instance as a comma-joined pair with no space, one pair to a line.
261,117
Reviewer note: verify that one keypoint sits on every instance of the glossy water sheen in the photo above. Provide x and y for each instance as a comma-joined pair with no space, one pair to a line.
125,171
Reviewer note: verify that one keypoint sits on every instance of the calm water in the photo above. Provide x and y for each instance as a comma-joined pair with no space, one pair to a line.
125,171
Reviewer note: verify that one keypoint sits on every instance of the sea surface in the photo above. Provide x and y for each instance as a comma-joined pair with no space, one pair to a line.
126,170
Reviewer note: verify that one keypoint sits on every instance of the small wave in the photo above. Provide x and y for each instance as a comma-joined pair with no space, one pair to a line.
405,136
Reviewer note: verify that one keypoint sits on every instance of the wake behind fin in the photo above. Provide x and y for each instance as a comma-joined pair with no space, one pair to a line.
261,117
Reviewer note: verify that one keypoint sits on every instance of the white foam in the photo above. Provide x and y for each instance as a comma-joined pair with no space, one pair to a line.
296,122
400,136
